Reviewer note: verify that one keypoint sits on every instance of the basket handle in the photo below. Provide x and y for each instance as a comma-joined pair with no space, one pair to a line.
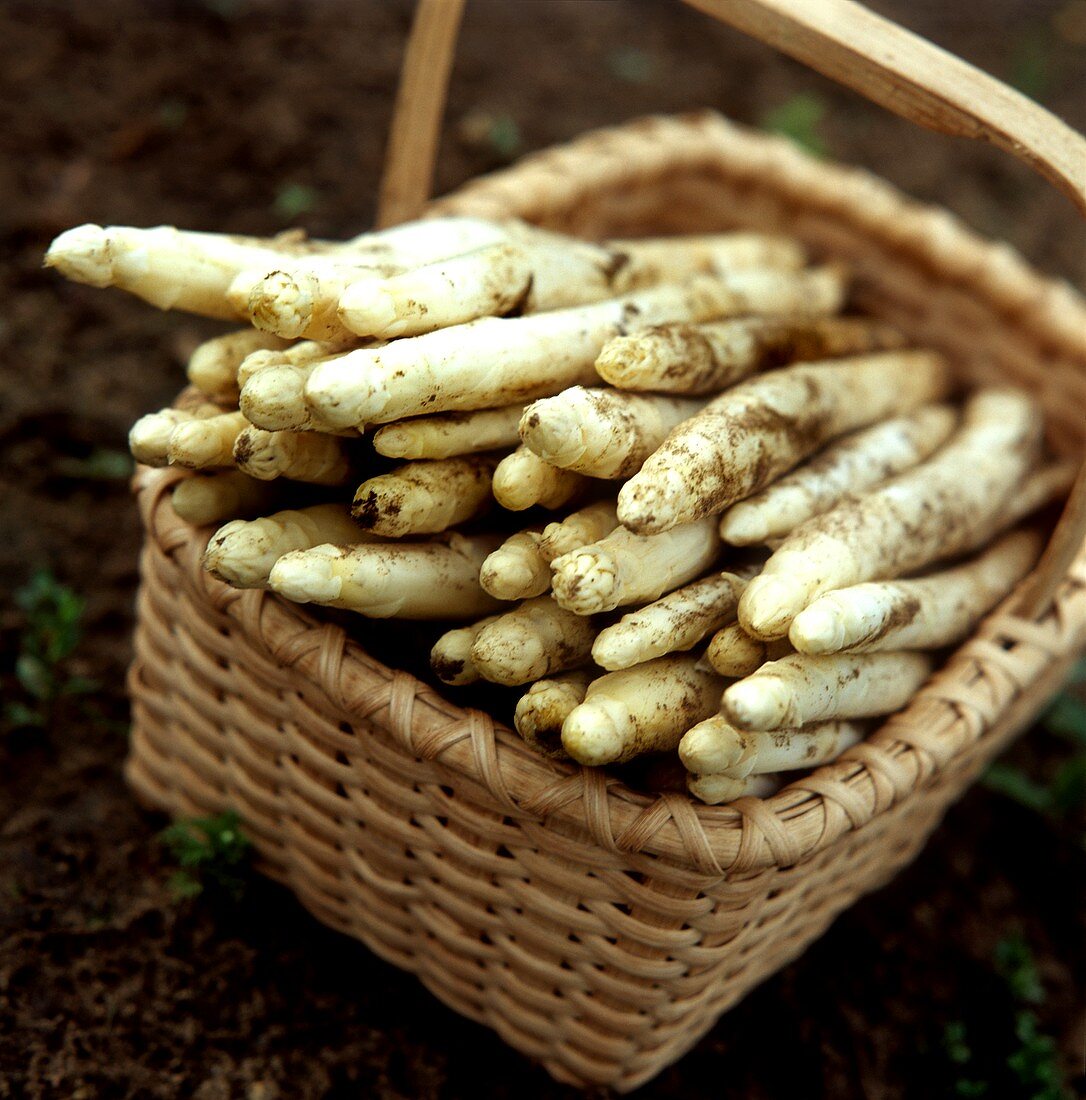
850,44
408,179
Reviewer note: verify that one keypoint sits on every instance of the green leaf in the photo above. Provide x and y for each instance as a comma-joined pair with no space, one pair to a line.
102,464
495,132
210,849
957,1049
1068,786
966,1088
1015,784
1066,718
35,677
1015,964
1077,675
19,716
80,685
1036,1061
798,119
632,64
184,885
505,137
294,199
53,614
1030,69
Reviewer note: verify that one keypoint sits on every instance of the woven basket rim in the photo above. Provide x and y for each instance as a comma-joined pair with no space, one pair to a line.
1000,667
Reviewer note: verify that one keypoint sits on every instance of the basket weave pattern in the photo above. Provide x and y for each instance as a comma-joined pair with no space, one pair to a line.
595,928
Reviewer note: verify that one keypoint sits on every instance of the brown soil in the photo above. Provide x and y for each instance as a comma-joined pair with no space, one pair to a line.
219,115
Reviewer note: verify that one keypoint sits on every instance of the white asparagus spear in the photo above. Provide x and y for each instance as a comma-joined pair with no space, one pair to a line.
497,280
498,361
450,657
425,497
170,268
954,501
649,261
212,498
715,789
299,296
589,524
533,271
489,282
405,580
799,689
450,434
149,437
300,456
706,358
516,570
716,747
300,299
535,639
733,652
273,397
625,568
674,623
852,464
639,710
190,399
207,442
213,366
522,480
601,432
762,428
923,613
242,552
300,354
422,242
545,706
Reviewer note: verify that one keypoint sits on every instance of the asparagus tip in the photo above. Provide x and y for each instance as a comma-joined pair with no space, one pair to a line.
282,303
307,576
816,630
769,605
553,430
744,525
590,735
84,255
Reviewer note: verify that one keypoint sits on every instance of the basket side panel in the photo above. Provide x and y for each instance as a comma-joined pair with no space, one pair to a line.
604,967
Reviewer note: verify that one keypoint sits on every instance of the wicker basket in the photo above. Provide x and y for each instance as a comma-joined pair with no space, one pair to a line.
597,929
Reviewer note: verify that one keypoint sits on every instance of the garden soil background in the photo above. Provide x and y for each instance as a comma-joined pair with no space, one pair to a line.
250,117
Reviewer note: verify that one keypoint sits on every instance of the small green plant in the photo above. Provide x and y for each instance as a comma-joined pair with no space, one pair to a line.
1030,68
102,464
631,64
958,1051
1064,795
53,630
1036,1062
211,853
798,119
294,199
1033,1059
1015,964
493,132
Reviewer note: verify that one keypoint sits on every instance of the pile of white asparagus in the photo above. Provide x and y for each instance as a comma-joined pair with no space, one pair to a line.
744,475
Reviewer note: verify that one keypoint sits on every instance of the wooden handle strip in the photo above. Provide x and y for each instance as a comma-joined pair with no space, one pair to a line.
843,40
413,140
913,78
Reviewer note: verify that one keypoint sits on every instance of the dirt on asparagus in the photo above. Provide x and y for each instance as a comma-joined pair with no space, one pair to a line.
251,116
